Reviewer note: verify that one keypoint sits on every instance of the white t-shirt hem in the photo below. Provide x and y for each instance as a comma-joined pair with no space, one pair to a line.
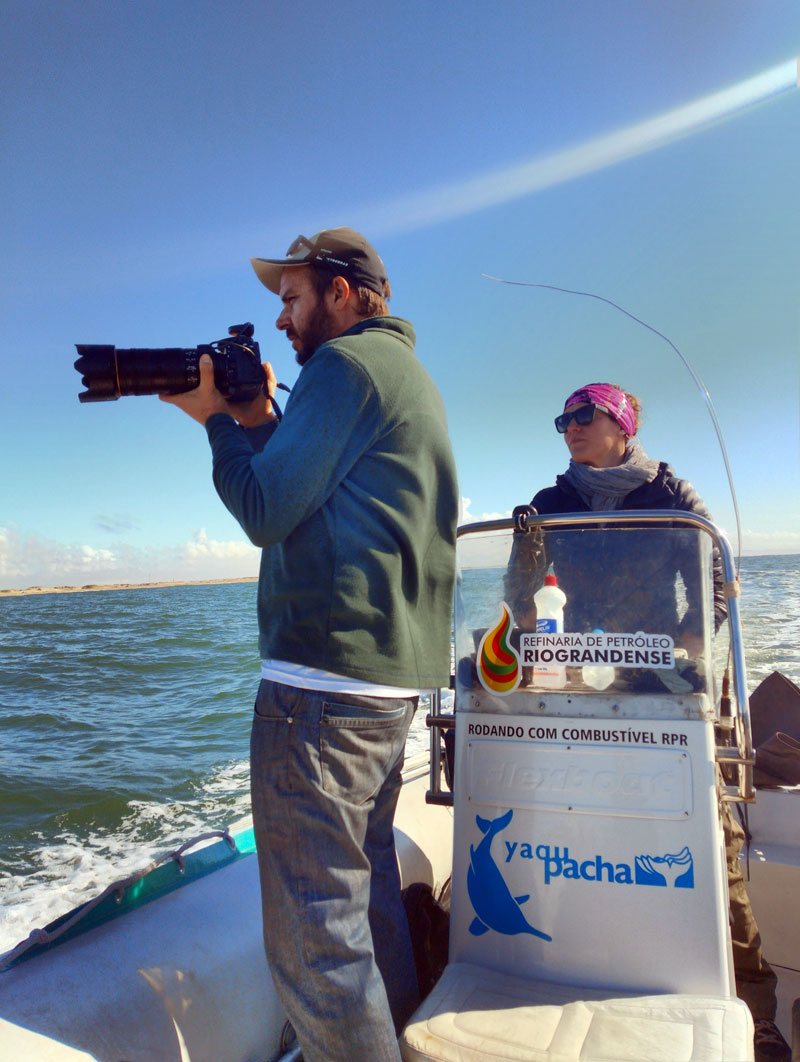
314,678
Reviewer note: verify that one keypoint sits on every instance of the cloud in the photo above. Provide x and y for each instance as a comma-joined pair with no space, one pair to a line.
466,517
28,559
116,524
770,542
202,548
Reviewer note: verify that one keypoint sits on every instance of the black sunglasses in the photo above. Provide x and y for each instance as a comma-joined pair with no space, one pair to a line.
301,248
583,415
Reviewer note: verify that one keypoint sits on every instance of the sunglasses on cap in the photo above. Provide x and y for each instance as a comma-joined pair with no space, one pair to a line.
583,415
345,259
301,248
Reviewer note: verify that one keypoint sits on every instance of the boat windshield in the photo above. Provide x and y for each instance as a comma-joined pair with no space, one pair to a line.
585,610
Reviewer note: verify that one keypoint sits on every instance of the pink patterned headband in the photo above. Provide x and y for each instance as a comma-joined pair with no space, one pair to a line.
611,400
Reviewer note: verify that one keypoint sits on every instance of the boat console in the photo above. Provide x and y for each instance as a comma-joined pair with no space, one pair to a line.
594,747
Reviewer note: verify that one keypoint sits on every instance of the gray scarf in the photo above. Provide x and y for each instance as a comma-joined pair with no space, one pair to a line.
605,488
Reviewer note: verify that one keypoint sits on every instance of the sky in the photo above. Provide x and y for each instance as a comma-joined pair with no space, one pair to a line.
643,151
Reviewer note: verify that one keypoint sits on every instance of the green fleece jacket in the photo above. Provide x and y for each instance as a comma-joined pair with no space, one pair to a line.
353,500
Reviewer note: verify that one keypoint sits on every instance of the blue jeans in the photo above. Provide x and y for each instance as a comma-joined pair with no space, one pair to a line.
325,774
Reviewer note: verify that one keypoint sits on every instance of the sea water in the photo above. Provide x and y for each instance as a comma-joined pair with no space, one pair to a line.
125,719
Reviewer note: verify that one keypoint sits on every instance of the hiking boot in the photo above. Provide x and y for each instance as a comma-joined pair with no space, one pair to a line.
769,1045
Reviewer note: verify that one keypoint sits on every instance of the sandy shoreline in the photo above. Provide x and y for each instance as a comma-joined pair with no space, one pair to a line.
91,587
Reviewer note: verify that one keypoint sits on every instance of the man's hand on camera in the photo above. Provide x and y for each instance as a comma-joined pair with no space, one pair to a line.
259,409
204,400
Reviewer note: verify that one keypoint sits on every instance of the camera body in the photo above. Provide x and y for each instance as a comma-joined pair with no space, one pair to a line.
109,372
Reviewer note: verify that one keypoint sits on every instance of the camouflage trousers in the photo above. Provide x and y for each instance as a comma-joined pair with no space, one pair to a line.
755,979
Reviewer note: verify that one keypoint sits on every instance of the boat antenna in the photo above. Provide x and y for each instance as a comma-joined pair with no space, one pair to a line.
700,385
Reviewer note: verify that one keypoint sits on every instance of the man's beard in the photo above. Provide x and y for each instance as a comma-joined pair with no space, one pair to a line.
320,329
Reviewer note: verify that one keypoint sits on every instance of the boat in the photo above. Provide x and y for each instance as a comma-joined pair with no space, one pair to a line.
169,966
578,828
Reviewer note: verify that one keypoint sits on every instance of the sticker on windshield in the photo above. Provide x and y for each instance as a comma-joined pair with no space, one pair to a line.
498,663
618,650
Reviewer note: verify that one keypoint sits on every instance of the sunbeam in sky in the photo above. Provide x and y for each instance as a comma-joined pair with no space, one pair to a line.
422,209
211,251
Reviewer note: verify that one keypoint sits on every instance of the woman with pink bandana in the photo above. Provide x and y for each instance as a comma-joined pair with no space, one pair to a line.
609,470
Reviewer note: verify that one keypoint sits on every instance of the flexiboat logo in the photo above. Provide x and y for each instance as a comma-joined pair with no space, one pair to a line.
674,870
495,907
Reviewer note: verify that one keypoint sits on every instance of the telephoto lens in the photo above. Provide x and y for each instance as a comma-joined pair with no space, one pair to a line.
107,372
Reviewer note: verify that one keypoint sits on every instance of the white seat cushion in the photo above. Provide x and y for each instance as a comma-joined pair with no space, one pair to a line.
477,1015
21,1043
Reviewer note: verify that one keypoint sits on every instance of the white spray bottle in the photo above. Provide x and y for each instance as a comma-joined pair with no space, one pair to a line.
549,601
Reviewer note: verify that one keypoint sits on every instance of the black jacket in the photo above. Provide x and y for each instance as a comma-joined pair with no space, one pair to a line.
620,581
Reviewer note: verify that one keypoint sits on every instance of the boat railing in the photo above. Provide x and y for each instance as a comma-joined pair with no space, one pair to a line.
440,723
734,748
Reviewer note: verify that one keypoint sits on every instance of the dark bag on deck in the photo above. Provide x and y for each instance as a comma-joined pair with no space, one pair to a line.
777,762
775,721
775,707
429,923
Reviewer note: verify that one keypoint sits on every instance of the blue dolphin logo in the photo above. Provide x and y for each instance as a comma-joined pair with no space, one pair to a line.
495,907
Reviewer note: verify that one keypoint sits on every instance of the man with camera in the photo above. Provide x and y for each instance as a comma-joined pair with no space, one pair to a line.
352,498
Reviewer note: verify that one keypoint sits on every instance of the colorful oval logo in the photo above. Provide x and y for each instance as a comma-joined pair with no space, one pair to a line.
498,664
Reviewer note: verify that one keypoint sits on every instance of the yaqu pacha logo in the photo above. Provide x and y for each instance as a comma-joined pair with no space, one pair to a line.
498,909
674,869
498,664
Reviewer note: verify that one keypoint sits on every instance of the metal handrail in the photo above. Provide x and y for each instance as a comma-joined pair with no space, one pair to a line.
437,721
742,756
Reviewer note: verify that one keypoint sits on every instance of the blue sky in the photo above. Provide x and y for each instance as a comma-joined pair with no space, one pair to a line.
151,148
